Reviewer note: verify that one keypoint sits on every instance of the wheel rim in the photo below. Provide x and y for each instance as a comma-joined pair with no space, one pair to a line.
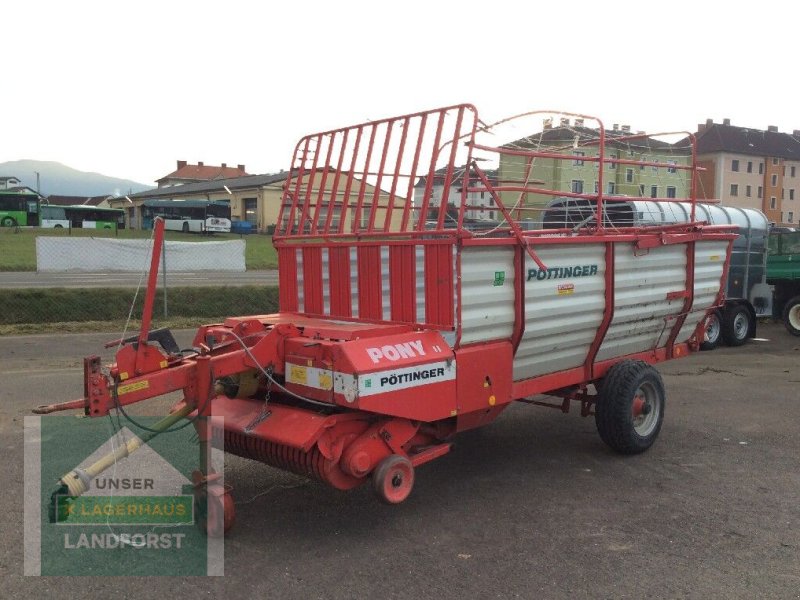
713,328
397,483
794,316
646,409
740,326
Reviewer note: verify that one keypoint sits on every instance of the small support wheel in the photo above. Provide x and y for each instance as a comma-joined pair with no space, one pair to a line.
630,410
214,510
713,331
393,479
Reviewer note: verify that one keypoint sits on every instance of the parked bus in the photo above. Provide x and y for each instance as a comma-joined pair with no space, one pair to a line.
18,209
82,217
198,216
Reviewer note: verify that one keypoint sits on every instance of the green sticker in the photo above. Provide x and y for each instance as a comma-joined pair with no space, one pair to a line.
499,277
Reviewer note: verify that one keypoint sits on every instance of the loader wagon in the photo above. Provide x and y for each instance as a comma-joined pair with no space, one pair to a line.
400,327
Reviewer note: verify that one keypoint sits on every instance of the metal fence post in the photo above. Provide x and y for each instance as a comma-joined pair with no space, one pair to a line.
164,273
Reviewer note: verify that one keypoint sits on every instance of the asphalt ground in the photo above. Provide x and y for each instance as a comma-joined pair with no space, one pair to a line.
532,506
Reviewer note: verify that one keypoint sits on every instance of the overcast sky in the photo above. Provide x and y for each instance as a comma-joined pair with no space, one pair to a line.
126,89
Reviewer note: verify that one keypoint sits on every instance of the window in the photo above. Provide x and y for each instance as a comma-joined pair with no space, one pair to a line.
654,191
482,195
749,166
772,202
672,169
596,186
641,190
670,191
644,159
491,215
578,162
735,165
655,167
628,175
760,168
760,191
774,161
792,170
748,191
577,186
613,165
774,180
790,216
734,189
791,194
491,201
611,187
783,193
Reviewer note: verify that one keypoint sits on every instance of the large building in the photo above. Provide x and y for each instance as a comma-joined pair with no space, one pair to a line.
751,168
187,173
253,198
660,178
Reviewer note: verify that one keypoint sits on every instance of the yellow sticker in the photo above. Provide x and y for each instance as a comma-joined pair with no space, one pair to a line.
123,376
492,400
133,387
163,364
565,289
325,381
297,374
713,257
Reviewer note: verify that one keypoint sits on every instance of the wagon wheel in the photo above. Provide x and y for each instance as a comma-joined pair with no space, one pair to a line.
630,409
712,332
791,316
393,479
735,325
214,510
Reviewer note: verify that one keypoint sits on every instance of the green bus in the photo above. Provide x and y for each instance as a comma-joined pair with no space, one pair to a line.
82,217
18,209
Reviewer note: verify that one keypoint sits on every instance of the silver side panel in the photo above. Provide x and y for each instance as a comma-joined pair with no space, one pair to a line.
419,260
563,308
487,306
643,279
386,299
708,267
354,281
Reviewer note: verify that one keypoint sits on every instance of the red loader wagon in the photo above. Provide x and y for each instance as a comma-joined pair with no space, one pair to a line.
406,319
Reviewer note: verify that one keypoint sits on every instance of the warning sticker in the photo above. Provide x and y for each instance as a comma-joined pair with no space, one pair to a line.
564,289
133,387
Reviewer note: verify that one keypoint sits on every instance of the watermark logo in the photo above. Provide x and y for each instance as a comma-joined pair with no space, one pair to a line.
107,500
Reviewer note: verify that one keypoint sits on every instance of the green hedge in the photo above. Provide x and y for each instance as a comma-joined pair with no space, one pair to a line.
58,305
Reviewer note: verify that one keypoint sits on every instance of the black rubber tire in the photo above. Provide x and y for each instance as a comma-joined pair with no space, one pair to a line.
709,343
735,325
393,479
613,412
8,222
791,316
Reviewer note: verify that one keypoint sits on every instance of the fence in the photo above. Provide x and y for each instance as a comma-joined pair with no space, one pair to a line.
54,281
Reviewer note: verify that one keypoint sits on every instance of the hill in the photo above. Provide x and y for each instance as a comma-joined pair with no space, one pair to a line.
57,178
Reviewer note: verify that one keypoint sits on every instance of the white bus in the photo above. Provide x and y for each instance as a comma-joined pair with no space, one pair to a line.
189,216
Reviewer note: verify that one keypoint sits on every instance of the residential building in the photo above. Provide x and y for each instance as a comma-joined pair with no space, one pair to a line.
187,173
663,174
8,182
481,205
750,168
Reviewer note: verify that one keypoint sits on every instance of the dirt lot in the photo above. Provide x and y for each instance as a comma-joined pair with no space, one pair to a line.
532,506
